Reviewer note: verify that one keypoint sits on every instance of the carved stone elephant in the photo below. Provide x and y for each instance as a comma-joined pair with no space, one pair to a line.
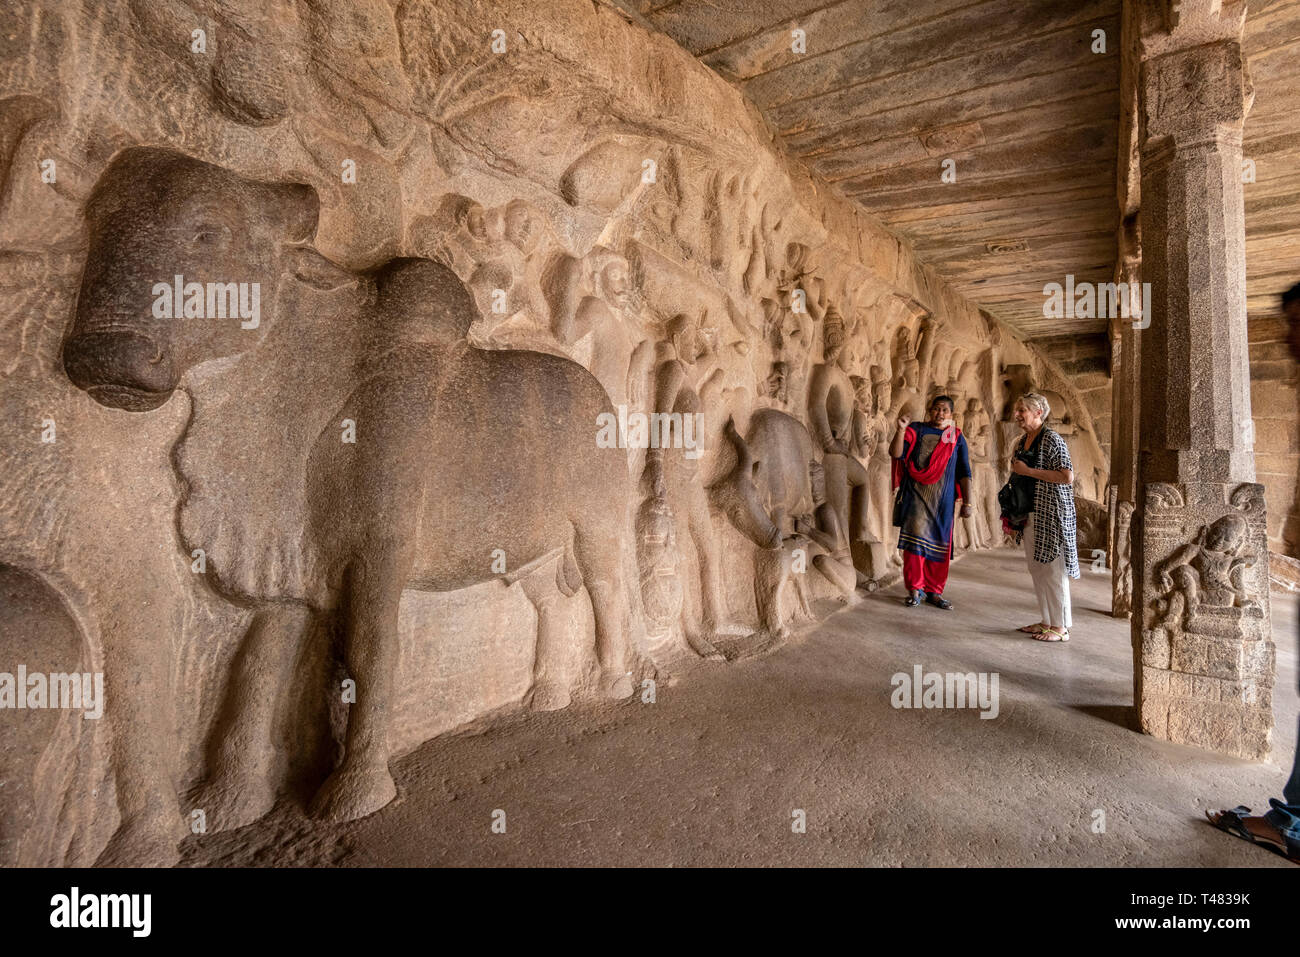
343,445
768,497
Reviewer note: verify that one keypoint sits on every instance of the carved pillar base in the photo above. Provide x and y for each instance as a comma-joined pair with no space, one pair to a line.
1203,651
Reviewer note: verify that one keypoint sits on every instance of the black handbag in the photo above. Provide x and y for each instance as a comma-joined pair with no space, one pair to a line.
1016,498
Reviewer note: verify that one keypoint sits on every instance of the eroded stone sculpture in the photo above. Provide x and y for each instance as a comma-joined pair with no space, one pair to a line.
344,459
366,385
769,498
672,465
1209,571
1205,646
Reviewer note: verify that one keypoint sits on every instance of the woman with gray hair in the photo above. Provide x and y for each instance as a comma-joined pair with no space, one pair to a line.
1049,532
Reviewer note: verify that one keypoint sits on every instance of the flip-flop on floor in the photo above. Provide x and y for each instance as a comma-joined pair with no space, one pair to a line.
1231,822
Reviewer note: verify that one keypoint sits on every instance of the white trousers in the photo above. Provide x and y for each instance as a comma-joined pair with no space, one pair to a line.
1051,583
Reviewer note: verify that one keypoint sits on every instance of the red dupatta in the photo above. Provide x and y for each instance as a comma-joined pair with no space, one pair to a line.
934,469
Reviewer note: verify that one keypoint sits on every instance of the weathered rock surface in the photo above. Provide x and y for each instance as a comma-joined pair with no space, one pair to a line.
366,369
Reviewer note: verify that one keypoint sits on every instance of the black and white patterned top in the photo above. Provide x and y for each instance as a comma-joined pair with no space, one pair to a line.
1055,525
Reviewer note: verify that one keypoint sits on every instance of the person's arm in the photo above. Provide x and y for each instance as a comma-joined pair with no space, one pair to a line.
1057,452
1055,476
967,509
896,447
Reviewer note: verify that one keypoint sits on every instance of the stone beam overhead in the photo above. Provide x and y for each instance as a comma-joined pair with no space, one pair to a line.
1016,95
1203,652
1021,98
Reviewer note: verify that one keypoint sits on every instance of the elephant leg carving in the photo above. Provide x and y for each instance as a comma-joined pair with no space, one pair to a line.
241,785
771,570
362,783
551,677
598,557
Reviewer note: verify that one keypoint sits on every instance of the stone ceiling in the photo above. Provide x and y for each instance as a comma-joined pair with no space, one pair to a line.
1272,140
1014,94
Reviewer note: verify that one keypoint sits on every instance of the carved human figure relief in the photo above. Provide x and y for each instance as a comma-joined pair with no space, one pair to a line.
497,251
1209,571
984,527
1121,561
593,315
660,572
671,473
776,387
907,393
830,414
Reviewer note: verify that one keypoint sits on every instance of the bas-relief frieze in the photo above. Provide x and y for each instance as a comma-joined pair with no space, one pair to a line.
540,371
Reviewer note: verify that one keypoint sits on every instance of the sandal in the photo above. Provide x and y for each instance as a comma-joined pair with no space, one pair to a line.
1231,822
913,599
1034,629
1051,634
938,601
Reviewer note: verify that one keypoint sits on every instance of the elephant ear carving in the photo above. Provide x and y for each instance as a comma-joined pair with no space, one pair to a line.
244,455
252,487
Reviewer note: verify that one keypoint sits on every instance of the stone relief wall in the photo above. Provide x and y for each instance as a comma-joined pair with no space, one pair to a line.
332,333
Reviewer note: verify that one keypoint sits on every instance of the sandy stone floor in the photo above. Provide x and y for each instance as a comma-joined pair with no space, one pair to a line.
710,773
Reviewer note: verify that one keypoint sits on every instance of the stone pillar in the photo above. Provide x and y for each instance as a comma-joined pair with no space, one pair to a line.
1125,328
1126,355
1204,657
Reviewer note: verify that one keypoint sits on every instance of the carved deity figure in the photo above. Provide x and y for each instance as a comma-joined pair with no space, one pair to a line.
864,418
592,317
1122,564
830,413
1210,571
493,250
879,482
660,570
982,528
680,360
776,386
955,392
907,385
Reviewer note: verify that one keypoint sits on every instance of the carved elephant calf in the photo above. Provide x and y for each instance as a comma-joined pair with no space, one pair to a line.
768,497
345,445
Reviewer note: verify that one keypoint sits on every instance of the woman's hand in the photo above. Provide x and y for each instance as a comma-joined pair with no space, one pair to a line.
1019,467
967,511
903,422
